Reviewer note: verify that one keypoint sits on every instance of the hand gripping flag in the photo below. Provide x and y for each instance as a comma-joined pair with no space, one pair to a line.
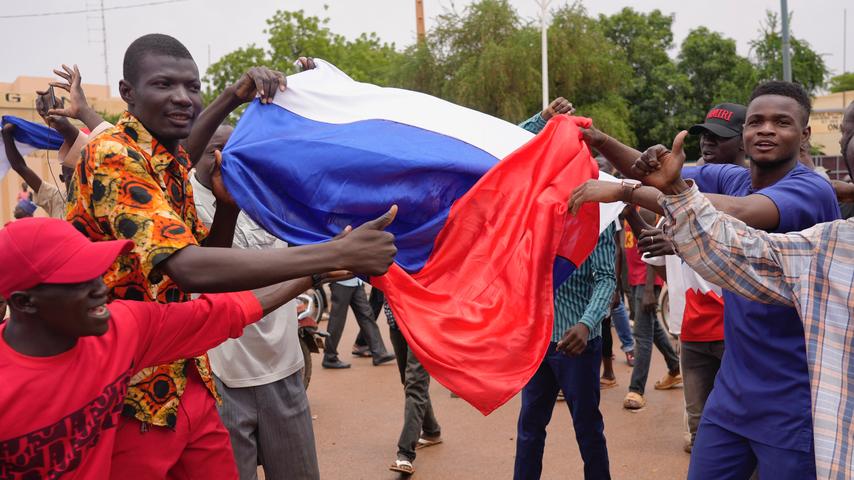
29,136
482,231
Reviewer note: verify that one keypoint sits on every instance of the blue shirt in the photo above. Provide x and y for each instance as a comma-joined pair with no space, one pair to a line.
762,391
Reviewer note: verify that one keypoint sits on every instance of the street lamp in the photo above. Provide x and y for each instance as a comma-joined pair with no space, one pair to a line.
544,13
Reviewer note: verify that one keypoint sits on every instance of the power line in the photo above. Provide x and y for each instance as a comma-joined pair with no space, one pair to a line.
77,12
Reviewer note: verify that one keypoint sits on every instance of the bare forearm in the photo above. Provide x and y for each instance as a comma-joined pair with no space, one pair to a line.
275,296
90,118
660,271
636,222
209,120
844,191
221,233
621,156
213,270
16,161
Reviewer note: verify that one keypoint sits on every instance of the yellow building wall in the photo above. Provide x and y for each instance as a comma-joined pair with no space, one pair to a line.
19,99
826,119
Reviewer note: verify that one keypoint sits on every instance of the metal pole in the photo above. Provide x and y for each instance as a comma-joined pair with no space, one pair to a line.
104,36
544,11
844,40
787,58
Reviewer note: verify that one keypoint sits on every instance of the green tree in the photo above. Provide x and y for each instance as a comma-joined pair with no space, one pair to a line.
590,70
292,34
486,56
717,72
842,83
808,68
659,94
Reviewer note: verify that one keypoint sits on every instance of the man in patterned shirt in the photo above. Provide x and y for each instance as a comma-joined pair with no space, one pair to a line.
132,183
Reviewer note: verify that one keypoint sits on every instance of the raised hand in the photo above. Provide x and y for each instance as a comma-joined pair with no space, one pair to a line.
558,106
305,63
368,249
260,81
662,168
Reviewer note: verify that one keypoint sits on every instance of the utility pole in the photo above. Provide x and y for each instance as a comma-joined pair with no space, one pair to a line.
844,40
419,21
96,17
787,54
544,14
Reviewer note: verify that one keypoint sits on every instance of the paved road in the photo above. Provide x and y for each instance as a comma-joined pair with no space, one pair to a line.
359,412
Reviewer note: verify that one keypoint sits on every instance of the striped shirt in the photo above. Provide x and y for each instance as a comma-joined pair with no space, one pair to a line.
812,271
586,296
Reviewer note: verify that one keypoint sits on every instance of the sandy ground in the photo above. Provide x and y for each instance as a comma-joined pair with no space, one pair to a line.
358,413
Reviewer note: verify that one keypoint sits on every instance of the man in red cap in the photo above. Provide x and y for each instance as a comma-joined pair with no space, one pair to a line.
66,355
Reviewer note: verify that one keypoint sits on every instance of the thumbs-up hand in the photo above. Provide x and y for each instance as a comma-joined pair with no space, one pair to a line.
369,249
662,168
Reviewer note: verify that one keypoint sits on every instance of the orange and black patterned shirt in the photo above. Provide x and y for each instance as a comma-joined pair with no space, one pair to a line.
128,186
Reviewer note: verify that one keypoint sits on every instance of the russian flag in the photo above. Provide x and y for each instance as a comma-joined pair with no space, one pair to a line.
482,230
29,137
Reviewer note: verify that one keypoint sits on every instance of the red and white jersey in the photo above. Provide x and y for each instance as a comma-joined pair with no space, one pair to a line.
696,306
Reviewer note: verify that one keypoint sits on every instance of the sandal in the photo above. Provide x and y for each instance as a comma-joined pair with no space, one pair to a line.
669,381
606,383
634,401
425,442
630,358
402,466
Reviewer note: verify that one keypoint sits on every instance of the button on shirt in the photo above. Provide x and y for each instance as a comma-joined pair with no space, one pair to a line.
269,350
585,296
128,186
811,271
762,389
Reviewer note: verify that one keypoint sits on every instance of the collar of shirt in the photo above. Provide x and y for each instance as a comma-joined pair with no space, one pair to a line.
160,156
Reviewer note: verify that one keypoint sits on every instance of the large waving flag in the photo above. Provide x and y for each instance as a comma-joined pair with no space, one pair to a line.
29,137
483,232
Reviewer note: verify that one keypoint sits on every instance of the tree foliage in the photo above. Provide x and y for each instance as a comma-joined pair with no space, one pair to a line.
842,83
808,68
622,70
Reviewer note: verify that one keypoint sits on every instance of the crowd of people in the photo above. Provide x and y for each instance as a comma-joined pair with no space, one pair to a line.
170,311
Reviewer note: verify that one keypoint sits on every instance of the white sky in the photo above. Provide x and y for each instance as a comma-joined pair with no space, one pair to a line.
33,46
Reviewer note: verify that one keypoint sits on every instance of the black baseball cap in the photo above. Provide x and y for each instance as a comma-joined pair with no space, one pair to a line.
724,120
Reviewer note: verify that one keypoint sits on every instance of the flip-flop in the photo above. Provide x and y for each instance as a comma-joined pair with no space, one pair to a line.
425,442
402,466
606,383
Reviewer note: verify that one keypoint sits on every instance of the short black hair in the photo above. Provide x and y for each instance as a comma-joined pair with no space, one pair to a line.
792,90
151,44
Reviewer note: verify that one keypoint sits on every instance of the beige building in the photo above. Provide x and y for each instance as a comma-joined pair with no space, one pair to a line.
19,99
826,119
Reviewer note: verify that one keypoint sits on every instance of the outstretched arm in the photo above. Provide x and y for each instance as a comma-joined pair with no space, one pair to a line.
756,210
16,161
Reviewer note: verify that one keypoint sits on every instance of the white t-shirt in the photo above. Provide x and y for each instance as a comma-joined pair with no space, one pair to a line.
269,349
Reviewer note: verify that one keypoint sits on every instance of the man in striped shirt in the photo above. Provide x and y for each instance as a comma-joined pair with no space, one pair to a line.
571,364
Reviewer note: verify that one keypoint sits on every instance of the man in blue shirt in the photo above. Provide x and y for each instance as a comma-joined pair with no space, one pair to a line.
759,411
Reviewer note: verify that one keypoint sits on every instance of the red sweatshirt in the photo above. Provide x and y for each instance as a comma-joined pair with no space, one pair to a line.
58,414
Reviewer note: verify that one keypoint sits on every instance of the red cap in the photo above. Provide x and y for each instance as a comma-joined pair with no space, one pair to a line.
34,251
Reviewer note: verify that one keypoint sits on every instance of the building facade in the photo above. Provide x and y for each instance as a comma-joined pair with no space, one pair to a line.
19,99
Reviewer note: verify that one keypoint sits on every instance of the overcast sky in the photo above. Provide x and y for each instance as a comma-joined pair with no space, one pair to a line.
211,28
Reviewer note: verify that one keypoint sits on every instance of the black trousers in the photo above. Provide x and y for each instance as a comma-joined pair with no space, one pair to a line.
344,298
375,299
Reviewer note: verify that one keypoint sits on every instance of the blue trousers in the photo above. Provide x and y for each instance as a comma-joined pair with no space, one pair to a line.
720,454
620,319
578,377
